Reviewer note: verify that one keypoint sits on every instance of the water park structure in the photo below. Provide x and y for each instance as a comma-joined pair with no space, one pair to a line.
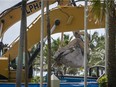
63,18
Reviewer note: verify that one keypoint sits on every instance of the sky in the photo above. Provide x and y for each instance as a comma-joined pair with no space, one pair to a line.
14,30
5,4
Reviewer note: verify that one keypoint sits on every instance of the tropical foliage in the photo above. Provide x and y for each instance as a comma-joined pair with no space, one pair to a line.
102,81
108,6
97,50
55,46
35,79
96,56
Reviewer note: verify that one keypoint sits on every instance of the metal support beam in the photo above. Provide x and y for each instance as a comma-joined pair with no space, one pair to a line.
42,42
85,43
106,37
21,45
26,52
57,22
1,26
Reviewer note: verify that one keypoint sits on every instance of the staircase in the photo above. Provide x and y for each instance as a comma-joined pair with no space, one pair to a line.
12,76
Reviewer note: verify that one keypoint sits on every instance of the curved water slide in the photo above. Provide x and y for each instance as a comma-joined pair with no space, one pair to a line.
12,15
71,19
4,67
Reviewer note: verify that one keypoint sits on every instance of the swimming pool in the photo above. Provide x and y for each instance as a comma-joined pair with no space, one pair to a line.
45,85
65,81
76,79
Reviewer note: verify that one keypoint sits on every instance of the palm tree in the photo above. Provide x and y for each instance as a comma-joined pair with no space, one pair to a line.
49,43
98,9
97,50
55,44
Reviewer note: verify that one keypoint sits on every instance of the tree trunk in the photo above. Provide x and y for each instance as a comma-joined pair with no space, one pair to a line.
111,51
49,45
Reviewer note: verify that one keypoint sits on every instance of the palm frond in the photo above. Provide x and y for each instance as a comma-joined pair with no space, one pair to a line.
97,10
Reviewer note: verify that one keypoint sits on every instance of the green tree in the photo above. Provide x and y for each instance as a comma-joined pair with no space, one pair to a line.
98,9
55,44
97,50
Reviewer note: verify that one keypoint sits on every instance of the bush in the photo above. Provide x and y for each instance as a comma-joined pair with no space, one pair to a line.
35,79
102,81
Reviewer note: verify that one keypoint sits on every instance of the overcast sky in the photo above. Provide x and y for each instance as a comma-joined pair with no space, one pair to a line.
4,4
14,30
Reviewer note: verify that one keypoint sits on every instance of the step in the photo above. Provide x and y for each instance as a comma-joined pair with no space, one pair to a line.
13,74
2,80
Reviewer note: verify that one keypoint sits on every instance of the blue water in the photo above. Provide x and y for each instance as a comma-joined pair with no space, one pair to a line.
45,85
64,82
79,79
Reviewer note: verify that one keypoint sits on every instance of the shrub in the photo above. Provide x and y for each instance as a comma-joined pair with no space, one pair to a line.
35,79
102,81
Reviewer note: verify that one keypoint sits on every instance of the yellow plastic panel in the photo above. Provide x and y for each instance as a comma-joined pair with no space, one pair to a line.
4,66
13,15
71,19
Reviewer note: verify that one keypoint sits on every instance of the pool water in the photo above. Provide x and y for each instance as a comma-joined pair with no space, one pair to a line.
65,81
78,79
45,85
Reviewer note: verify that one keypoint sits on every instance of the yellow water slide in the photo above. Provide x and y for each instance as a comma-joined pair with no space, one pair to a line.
71,19
12,15
4,66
